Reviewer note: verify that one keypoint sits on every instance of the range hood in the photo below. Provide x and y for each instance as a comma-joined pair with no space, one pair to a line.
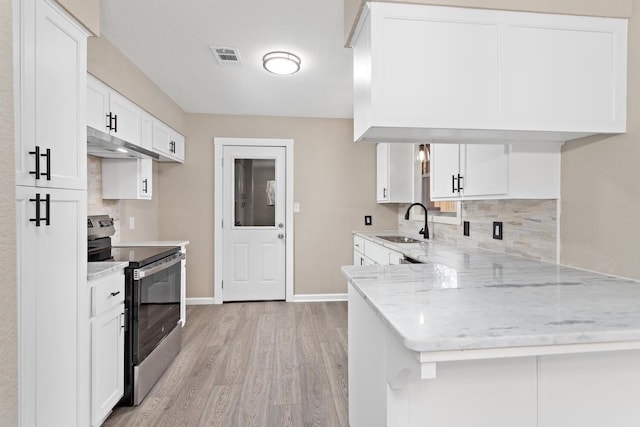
101,144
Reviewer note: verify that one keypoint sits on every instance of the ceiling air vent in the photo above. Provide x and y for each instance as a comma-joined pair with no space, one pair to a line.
226,55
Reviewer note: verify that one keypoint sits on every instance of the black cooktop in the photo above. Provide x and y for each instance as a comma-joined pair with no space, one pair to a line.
139,256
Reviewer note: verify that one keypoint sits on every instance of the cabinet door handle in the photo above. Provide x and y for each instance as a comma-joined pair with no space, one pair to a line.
460,178
36,153
47,209
37,218
115,123
48,172
144,186
384,193
113,294
361,261
108,117
453,183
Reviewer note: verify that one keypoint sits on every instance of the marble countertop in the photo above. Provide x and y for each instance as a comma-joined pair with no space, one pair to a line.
467,298
154,243
96,270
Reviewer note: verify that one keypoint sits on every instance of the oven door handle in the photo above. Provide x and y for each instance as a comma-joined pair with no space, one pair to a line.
141,273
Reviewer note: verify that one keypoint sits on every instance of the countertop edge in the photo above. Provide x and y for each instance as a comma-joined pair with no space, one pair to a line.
96,270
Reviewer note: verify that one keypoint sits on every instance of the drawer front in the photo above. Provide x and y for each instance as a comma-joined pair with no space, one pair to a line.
377,253
358,244
107,292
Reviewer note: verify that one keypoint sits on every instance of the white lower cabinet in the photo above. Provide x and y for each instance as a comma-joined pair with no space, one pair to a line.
127,179
366,252
107,345
53,297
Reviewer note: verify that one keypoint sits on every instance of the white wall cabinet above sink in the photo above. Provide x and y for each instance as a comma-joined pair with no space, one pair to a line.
430,72
127,179
398,174
495,171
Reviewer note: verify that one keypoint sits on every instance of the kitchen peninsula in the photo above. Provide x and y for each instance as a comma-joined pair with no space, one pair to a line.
478,338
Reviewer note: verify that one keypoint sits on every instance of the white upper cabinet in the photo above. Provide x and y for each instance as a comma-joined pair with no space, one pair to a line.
430,72
127,179
112,113
51,140
168,143
495,171
396,173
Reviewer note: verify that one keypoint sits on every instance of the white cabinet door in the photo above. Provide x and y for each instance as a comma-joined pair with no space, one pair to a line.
107,356
97,104
53,293
396,169
127,179
168,143
127,118
51,101
382,181
485,169
445,167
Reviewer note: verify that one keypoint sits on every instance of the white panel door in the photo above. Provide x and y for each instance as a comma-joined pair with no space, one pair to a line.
52,273
382,181
484,169
445,167
254,239
127,121
97,104
53,101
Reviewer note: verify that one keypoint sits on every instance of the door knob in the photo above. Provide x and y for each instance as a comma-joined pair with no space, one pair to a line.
280,235
280,225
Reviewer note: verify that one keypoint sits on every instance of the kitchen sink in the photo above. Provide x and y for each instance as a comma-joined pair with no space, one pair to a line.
399,239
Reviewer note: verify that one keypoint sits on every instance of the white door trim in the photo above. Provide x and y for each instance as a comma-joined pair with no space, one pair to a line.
219,143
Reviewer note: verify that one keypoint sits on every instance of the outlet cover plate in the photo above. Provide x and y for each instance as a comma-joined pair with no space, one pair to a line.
497,230
465,228
367,220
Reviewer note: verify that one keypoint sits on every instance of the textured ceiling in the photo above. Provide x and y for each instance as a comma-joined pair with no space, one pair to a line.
169,41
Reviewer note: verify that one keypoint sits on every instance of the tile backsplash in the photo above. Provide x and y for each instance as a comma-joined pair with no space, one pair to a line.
530,227
95,204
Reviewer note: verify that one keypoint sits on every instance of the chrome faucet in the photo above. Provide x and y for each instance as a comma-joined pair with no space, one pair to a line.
425,230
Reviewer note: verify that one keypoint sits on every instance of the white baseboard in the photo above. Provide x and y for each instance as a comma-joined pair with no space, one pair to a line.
319,297
200,301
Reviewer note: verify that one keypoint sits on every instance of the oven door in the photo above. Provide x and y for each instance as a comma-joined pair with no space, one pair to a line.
155,305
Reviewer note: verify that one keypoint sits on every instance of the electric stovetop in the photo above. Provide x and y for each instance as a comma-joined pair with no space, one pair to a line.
139,256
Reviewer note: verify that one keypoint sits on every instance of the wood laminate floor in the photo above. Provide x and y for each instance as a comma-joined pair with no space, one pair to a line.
252,364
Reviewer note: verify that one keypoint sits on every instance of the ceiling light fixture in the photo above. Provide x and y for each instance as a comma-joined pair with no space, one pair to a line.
281,62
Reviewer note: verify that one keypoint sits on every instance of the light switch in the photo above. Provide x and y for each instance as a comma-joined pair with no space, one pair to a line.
296,208
132,223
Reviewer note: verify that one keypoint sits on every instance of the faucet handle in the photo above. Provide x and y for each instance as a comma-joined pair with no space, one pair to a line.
421,231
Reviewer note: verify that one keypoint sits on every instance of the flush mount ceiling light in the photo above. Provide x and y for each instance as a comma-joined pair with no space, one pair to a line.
281,62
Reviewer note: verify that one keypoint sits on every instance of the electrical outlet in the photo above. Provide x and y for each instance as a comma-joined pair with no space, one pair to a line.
296,207
132,223
497,230
465,228
367,220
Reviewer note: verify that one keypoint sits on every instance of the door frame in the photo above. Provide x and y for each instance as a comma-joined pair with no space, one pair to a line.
218,265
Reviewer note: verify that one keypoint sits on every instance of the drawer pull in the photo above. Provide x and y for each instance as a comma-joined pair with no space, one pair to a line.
113,294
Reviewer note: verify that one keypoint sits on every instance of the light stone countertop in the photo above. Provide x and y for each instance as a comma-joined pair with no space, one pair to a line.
96,270
154,243
467,299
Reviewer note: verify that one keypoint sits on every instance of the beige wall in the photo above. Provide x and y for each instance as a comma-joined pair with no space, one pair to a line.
108,64
8,314
610,8
599,226
85,11
334,182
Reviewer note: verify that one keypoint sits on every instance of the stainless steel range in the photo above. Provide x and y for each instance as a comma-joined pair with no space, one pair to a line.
153,335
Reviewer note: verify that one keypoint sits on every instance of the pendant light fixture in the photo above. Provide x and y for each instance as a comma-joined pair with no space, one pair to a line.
280,62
